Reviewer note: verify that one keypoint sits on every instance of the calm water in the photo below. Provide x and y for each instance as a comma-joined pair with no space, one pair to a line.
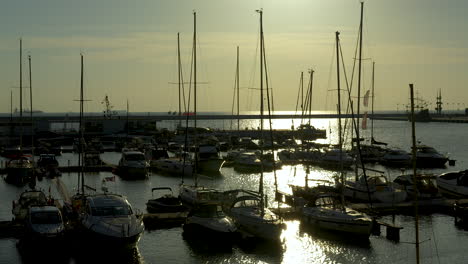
443,242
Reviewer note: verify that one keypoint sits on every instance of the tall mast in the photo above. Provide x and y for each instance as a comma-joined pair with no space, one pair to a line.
31,107
340,142
21,94
195,69
237,88
81,127
413,136
179,75
261,107
310,92
372,120
195,93
11,106
359,71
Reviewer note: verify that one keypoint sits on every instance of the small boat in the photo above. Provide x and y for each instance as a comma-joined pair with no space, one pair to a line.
192,195
44,224
429,157
425,184
110,219
27,199
377,188
396,158
335,158
133,165
173,166
328,212
254,219
453,184
19,170
207,220
167,203
47,165
209,160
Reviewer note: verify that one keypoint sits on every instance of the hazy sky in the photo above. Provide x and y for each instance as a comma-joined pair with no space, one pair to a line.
130,50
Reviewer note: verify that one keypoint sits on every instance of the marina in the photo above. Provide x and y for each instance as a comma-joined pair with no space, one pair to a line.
166,229
201,167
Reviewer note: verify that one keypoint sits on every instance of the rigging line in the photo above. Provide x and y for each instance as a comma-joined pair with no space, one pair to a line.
267,80
299,93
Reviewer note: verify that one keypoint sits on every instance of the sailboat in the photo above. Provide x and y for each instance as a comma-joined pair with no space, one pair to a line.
182,164
20,169
372,188
206,217
106,218
327,210
195,194
249,210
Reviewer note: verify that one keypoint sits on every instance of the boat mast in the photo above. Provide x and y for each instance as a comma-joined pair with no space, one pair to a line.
195,93
260,188
359,73
372,114
413,136
237,88
80,153
340,143
21,95
31,108
310,93
179,75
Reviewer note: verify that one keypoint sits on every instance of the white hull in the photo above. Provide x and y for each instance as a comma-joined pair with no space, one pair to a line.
347,222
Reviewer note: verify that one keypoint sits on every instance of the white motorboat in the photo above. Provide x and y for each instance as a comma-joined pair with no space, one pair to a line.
377,188
133,165
173,166
109,218
328,212
453,184
425,184
209,220
193,195
44,224
335,158
209,160
254,219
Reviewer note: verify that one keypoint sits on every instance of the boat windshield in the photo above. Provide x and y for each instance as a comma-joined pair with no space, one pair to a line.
46,218
247,203
111,210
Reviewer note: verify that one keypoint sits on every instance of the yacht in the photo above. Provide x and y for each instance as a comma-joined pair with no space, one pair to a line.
19,170
253,218
328,212
110,218
166,203
209,160
44,224
453,184
429,157
133,165
377,188
27,199
209,220
396,158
